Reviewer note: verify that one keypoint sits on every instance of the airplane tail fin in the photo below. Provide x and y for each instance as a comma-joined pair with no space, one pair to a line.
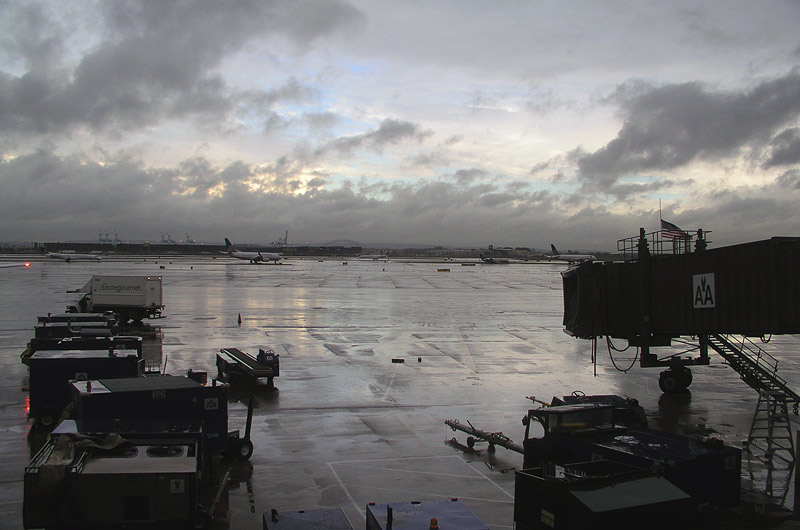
229,246
554,249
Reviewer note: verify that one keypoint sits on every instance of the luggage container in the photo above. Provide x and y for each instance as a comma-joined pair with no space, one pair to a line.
52,370
127,485
157,406
94,328
598,494
116,342
704,468
50,318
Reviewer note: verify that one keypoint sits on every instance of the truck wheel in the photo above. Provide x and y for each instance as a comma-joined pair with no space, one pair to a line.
670,382
244,450
47,418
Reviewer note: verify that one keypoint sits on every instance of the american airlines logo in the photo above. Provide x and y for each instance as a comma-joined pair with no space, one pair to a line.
703,290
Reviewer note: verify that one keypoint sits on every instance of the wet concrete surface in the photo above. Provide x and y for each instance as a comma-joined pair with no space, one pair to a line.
347,425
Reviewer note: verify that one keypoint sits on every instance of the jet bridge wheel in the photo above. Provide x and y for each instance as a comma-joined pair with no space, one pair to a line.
675,380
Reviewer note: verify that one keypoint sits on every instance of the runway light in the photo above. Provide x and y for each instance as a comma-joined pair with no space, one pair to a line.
27,264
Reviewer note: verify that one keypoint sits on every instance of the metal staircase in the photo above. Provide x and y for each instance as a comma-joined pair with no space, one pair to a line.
771,430
756,367
771,436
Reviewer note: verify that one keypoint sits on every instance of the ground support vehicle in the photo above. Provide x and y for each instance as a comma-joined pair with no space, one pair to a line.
131,297
234,364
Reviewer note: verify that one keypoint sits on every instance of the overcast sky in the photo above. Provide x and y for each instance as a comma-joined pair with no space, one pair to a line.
467,123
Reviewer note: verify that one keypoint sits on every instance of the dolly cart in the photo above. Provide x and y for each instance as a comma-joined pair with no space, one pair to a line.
233,363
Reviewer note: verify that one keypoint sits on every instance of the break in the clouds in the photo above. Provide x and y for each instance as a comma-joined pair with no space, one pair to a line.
666,128
452,123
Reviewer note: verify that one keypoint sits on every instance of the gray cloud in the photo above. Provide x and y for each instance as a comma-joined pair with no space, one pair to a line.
242,117
211,201
157,62
390,132
668,127
785,149
790,179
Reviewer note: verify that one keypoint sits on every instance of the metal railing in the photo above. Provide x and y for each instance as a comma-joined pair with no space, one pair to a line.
658,244
750,360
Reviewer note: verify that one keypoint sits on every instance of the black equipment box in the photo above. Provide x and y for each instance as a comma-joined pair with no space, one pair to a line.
598,494
52,370
144,406
705,469
115,342
109,317
151,485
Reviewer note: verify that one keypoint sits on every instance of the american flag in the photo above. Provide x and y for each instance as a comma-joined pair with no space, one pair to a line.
671,231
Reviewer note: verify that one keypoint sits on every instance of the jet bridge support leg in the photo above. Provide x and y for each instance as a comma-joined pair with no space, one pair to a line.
677,377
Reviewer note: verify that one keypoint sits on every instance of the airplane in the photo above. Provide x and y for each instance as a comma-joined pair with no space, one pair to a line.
494,260
71,256
254,257
571,258
9,265
374,257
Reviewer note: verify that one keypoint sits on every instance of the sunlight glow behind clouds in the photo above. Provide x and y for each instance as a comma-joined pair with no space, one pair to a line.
456,122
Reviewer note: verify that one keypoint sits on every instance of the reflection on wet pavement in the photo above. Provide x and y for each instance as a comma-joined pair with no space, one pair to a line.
347,425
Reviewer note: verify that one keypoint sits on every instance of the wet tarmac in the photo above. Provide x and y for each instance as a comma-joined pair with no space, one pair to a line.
374,357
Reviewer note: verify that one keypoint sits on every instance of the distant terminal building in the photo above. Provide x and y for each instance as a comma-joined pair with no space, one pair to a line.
136,249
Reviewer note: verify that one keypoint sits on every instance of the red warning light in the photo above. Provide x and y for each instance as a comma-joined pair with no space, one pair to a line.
27,264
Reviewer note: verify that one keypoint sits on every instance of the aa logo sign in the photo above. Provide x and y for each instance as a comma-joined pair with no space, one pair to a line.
703,290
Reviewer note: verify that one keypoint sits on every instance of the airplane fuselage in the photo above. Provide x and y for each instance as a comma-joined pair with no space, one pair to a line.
255,257
571,258
69,256
252,257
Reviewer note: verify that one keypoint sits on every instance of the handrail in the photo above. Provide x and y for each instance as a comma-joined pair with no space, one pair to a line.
749,356
658,244
756,355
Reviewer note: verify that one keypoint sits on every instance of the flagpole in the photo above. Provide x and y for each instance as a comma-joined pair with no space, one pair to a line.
659,210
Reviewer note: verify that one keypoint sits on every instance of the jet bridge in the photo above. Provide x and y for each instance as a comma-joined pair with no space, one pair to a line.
678,291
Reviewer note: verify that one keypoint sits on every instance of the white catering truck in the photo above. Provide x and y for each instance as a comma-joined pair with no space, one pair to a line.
130,297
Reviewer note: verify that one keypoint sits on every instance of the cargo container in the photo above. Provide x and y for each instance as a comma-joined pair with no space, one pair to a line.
704,468
598,494
130,297
129,485
52,370
158,405
117,342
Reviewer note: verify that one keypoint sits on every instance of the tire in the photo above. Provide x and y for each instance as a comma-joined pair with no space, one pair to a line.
470,442
47,419
670,382
244,450
686,377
